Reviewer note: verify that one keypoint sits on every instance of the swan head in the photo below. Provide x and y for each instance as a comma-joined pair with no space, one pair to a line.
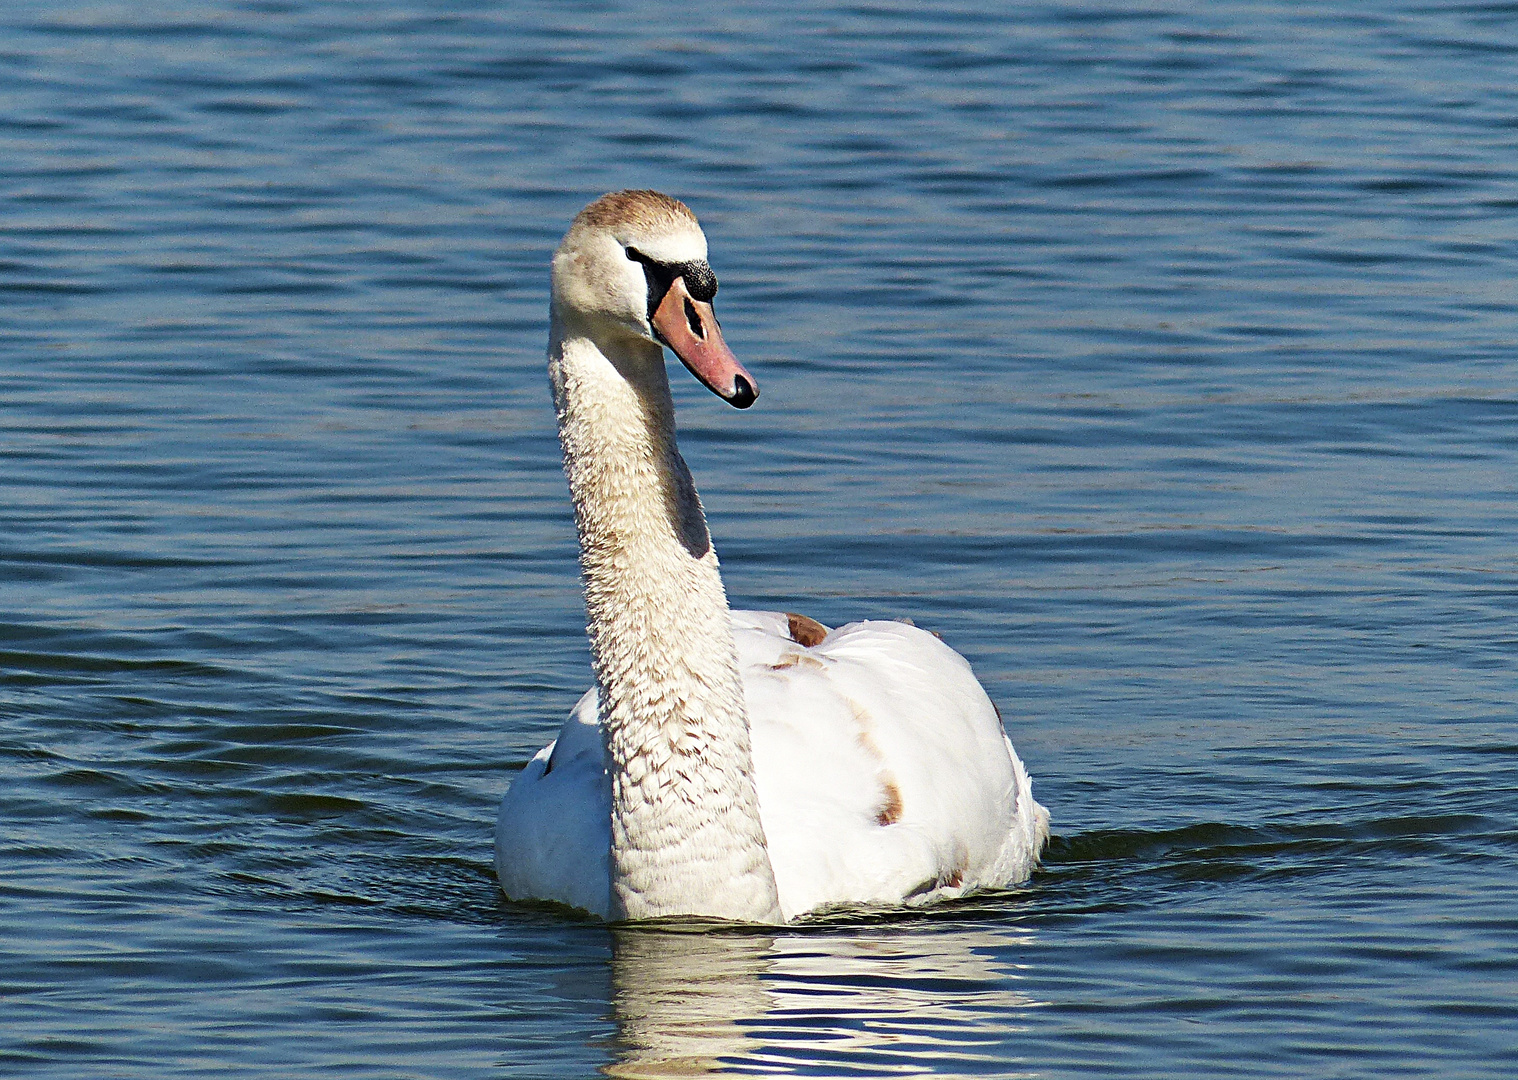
633,266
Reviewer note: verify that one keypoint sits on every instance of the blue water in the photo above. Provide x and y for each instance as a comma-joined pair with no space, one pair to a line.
1162,357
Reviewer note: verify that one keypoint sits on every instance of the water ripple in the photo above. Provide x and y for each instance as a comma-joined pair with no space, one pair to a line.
1160,359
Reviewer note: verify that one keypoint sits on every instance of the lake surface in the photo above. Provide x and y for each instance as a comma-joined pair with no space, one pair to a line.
1162,357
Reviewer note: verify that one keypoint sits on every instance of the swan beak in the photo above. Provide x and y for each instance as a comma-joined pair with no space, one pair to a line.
689,327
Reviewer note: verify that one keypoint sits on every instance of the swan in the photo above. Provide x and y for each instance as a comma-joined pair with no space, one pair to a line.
737,765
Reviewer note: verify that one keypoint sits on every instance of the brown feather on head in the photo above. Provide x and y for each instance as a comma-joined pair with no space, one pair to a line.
641,207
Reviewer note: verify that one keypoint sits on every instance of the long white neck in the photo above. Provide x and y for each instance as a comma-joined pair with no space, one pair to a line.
685,827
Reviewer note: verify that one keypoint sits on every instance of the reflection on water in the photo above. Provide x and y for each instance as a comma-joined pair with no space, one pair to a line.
924,1000
683,1001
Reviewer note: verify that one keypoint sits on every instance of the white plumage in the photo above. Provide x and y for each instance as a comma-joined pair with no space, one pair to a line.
741,765
883,775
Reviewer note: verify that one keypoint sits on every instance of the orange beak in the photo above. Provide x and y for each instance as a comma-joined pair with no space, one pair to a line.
689,327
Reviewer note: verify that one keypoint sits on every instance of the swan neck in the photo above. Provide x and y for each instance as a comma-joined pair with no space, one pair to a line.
686,833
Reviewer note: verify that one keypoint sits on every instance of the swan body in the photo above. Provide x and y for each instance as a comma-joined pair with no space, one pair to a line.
883,777
751,766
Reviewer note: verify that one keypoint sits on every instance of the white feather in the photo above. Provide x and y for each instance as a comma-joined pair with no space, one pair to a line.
874,704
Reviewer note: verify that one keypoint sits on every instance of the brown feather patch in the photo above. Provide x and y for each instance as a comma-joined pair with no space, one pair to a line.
890,807
644,208
804,631
798,659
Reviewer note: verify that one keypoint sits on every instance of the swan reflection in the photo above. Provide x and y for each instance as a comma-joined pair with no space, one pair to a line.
924,999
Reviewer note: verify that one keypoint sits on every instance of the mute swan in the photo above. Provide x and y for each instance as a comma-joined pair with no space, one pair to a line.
740,765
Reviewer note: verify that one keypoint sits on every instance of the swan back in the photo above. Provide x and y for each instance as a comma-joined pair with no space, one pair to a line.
883,775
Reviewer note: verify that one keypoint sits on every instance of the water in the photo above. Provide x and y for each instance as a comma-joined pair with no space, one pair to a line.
1160,356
